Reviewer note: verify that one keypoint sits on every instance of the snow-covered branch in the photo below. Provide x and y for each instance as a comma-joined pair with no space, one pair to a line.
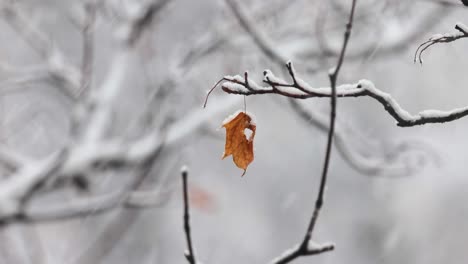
306,247
90,149
367,165
58,67
299,89
93,205
462,32
84,159
15,189
11,160
299,250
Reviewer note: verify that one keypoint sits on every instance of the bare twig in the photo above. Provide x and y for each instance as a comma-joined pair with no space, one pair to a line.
189,255
304,248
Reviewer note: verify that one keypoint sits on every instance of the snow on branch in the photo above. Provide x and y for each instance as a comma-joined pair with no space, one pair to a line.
93,205
298,250
18,186
365,165
58,67
85,158
299,89
462,32
90,146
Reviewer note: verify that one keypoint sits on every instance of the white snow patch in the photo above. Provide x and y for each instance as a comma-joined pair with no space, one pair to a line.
462,26
304,84
368,85
270,76
235,87
436,36
184,169
231,117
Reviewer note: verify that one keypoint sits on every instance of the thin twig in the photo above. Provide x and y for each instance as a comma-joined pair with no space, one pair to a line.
210,91
304,249
333,78
190,255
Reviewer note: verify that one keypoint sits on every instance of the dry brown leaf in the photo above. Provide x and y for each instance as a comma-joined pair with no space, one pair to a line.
237,143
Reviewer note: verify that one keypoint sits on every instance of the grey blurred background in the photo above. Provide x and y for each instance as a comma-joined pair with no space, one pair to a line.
395,195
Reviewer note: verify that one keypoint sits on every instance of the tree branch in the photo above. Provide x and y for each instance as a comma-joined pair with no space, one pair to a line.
365,165
189,255
462,32
304,248
302,90
58,66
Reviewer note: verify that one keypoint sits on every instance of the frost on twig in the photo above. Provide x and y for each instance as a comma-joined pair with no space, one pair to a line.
312,248
299,89
462,32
